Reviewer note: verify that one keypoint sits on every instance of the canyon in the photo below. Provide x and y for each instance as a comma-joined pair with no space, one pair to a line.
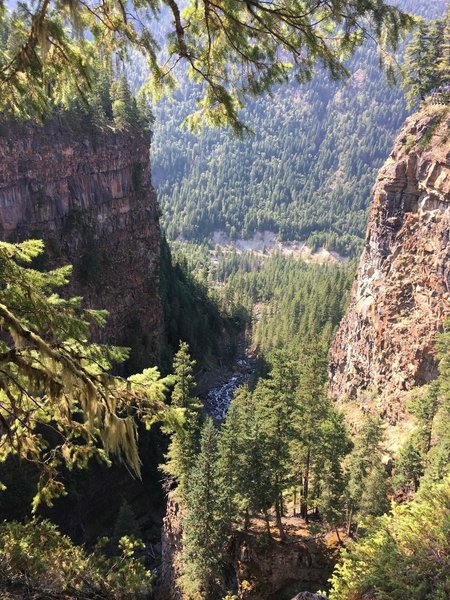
88,195
401,296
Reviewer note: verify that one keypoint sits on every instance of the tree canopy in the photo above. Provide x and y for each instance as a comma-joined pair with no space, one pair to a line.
233,49
59,403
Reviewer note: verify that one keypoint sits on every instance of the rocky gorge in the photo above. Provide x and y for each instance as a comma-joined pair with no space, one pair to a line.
401,295
88,195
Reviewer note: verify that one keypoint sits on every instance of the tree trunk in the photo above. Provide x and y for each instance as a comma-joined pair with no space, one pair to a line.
278,516
304,506
246,520
295,502
266,518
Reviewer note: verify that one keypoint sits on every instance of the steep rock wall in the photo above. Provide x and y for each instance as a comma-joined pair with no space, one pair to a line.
89,196
401,294
255,568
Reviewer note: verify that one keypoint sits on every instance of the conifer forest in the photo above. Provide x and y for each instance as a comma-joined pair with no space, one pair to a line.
225,299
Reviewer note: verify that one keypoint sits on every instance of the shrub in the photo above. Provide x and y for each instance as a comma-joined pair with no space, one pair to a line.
36,555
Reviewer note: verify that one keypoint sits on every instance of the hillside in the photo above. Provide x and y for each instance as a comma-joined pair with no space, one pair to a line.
307,171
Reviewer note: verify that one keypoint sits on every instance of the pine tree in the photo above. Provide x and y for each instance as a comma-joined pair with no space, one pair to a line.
444,60
124,108
311,410
366,472
330,480
230,464
185,442
203,534
53,379
408,467
422,56
126,523
275,404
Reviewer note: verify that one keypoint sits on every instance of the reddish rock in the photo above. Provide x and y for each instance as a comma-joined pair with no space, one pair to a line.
89,196
401,295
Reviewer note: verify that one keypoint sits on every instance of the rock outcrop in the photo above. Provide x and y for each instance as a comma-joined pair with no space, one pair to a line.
88,195
401,295
255,567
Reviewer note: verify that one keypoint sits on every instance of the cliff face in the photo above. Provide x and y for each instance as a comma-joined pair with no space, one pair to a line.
255,568
401,295
89,196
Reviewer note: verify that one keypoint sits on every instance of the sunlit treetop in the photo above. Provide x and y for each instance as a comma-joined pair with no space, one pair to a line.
232,48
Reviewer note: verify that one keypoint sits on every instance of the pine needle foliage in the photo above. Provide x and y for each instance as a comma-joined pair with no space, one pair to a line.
59,404
185,441
405,554
232,49
37,559
427,60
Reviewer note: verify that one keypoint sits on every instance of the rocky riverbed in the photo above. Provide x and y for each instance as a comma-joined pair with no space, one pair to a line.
217,398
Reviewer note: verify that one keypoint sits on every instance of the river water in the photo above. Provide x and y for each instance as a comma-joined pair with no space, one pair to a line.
218,399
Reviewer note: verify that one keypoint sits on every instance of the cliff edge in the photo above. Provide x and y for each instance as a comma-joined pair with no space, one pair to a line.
401,295
88,195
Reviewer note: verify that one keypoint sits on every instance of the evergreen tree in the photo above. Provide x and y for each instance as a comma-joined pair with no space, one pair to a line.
213,43
367,487
422,56
231,463
124,108
185,442
203,533
126,523
402,555
311,411
58,403
330,480
275,397
408,467
444,60
424,408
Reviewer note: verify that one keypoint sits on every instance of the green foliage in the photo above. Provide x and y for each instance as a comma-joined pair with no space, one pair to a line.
232,50
427,62
185,442
403,555
124,106
306,173
424,458
126,524
59,404
38,557
203,523
367,486
192,313
409,467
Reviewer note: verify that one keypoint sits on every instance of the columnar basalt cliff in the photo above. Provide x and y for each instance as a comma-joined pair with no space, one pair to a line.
89,196
401,295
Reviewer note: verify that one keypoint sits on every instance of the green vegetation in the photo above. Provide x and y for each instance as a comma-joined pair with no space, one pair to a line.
308,170
193,312
59,404
284,448
403,555
232,50
305,174
184,445
35,556
427,63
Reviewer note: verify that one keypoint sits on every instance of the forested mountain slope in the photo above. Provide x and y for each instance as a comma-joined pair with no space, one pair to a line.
307,171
